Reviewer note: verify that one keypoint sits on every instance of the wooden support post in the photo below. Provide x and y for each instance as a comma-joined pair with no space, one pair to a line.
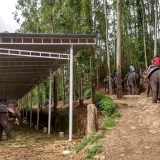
92,121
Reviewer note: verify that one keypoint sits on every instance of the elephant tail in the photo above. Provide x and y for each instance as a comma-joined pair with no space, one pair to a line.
135,82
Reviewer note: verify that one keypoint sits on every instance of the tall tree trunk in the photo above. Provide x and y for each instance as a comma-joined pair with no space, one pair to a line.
63,86
107,47
155,30
119,74
55,92
80,89
75,81
92,73
144,34
97,71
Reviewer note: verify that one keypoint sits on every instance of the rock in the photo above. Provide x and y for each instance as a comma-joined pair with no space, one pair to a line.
146,147
133,127
67,152
152,131
99,157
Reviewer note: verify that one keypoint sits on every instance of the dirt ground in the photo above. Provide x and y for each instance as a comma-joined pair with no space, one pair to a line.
135,137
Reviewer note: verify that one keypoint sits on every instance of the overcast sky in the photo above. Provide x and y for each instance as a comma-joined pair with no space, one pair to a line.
7,22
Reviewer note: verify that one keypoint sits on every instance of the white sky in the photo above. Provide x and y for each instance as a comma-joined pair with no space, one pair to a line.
7,22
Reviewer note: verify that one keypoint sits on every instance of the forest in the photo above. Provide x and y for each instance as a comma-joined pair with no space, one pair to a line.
130,38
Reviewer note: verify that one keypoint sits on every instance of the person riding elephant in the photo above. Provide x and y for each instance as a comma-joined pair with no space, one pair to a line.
133,80
153,74
7,110
156,61
114,85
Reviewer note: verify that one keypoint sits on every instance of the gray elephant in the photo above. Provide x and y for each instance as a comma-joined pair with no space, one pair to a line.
133,81
7,110
114,85
154,79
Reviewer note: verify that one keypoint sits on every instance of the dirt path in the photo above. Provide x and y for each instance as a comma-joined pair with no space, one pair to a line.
137,134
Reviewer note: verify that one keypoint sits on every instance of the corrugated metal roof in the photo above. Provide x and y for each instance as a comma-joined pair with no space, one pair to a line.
18,74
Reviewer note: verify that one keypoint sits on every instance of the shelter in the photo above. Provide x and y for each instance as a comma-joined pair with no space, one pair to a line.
26,59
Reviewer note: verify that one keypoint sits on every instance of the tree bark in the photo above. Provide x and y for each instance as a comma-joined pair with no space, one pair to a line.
155,30
55,92
80,89
144,35
63,86
92,73
107,47
119,73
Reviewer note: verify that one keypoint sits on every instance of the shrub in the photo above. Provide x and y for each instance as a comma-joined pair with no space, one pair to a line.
105,103
87,93
82,144
93,151
110,122
116,115
89,140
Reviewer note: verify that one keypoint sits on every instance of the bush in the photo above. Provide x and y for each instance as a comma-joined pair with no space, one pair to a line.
105,103
87,93
89,140
110,122
93,151
116,115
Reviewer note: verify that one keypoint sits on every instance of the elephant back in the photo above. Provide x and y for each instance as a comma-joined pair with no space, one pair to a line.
151,70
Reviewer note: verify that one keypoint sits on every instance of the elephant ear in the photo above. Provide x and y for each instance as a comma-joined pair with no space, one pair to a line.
11,108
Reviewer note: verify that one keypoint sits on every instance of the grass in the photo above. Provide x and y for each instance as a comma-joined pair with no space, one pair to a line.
93,151
116,115
89,140
110,122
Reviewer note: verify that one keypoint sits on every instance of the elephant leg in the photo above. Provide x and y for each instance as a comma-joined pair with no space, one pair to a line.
5,125
128,89
1,132
148,89
137,91
158,91
132,89
7,131
154,92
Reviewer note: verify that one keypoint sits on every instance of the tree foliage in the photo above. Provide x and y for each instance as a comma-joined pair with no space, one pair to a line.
87,16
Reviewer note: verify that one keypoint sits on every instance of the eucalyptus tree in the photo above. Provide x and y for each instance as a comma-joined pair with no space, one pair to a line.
144,33
155,30
119,74
107,47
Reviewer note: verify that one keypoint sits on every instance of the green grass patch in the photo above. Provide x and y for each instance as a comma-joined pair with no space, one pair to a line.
93,151
110,122
87,93
89,140
105,103
116,115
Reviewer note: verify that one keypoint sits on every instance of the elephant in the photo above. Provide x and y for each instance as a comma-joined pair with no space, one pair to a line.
7,110
154,79
114,85
133,81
